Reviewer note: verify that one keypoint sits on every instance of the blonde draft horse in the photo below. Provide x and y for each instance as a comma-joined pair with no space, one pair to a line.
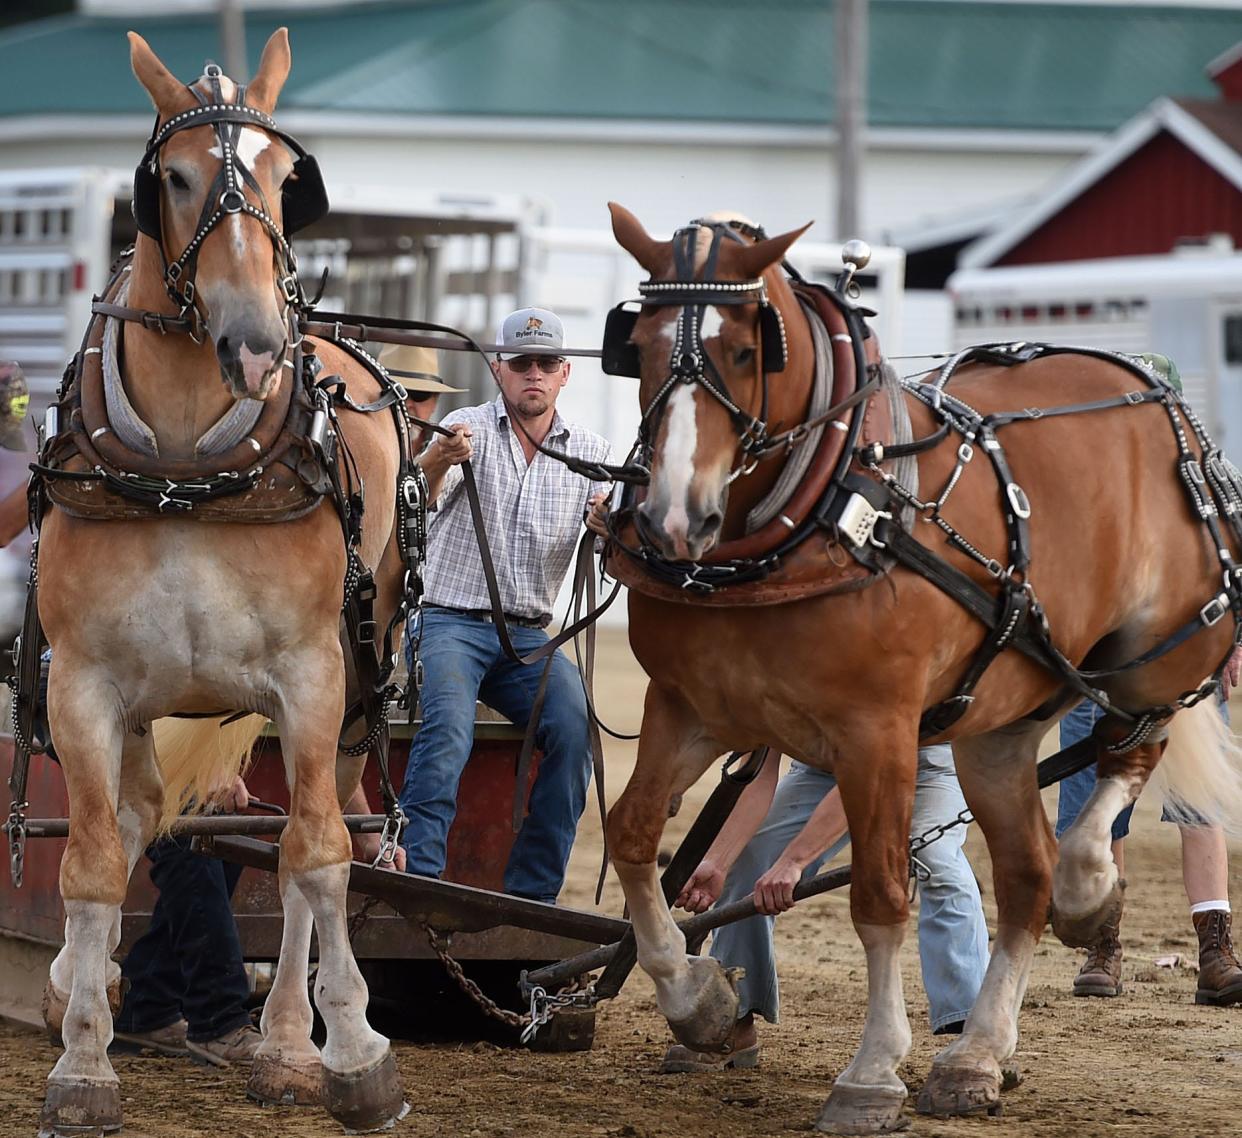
840,681
147,618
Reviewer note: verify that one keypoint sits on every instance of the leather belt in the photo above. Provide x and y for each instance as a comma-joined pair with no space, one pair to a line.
486,614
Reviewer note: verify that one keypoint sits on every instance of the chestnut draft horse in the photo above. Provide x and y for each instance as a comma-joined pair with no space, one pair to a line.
151,612
1099,538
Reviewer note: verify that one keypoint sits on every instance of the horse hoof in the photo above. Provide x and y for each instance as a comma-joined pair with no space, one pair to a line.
1082,930
76,1108
368,1100
277,1081
710,1024
862,1110
954,1091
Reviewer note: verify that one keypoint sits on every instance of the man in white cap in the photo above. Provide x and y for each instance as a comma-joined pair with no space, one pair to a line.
533,510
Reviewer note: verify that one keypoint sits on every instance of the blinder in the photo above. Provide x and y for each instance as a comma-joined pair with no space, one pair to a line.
620,353
304,198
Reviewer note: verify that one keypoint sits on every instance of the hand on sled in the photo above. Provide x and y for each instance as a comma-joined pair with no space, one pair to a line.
774,890
700,892
233,798
367,848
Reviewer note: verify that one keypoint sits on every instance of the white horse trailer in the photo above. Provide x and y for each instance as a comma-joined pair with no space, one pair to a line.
1186,305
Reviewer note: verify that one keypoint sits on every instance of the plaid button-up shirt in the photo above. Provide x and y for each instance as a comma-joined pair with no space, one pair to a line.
532,513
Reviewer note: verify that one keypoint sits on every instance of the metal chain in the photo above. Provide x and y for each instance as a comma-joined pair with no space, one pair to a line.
542,1005
360,918
439,945
935,833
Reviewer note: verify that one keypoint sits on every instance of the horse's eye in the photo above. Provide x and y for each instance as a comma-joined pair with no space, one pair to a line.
177,181
743,356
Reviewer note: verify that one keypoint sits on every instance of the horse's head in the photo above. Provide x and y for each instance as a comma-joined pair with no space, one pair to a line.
708,336
214,191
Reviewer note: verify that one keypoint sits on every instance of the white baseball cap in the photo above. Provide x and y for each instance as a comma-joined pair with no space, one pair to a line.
530,331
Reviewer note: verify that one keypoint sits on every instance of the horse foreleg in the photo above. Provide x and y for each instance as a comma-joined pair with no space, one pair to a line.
997,773
138,811
83,1092
1086,888
877,791
362,1089
697,996
287,1069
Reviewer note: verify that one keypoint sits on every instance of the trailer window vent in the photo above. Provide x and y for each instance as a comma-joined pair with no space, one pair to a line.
1231,326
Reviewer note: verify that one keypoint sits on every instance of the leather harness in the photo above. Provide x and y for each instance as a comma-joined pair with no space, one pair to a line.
843,532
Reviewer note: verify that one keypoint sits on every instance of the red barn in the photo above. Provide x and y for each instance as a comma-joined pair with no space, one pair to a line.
1172,175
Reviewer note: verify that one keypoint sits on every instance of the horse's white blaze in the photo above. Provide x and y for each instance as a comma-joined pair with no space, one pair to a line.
250,144
711,324
1086,873
677,460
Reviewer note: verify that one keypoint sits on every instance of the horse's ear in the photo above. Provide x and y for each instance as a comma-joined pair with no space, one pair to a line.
634,239
753,259
274,66
165,89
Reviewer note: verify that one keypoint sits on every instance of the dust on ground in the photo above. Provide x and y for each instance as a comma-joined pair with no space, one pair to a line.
1149,1064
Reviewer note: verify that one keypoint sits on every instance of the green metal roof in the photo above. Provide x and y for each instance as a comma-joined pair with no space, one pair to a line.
933,63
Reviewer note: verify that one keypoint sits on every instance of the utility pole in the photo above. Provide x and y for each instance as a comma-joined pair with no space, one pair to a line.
851,98
233,40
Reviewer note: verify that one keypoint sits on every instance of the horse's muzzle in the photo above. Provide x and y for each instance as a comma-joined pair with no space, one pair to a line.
677,535
249,364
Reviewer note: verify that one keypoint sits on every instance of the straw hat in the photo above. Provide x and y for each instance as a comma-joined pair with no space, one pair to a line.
416,369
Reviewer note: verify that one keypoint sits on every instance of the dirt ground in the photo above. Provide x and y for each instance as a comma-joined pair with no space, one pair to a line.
1149,1064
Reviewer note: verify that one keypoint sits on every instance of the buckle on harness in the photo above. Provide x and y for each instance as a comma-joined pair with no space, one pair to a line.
1018,500
1216,608
857,520
1134,398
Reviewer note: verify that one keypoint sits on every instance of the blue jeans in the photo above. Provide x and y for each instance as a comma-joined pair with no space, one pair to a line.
1074,791
953,937
462,662
189,961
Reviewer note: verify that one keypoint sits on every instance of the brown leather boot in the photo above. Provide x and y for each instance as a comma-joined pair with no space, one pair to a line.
1220,974
1101,974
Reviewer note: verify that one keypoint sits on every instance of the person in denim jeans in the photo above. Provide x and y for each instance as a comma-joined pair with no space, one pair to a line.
533,510
1205,872
186,978
797,825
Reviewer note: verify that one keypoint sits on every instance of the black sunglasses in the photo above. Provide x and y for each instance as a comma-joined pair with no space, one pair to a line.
546,364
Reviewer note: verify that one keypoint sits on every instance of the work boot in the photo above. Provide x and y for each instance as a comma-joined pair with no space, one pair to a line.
1101,974
236,1046
1220,974
168,1041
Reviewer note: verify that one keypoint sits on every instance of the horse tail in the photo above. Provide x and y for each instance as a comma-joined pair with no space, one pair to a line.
199,756
1201,772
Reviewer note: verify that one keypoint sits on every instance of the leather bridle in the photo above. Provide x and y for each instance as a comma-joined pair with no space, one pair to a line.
225,197
689,362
